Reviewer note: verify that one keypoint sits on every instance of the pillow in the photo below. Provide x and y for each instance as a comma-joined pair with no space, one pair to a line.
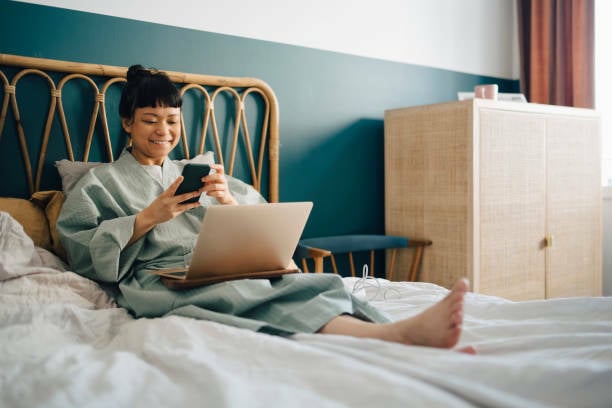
38,217
32,218
52,202
71,171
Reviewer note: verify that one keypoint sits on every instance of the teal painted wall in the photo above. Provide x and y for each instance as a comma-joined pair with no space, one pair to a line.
331,104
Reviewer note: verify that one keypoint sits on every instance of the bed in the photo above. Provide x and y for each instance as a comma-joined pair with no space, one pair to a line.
64,342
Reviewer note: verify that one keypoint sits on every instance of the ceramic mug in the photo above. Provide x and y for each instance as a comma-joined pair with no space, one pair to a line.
486,91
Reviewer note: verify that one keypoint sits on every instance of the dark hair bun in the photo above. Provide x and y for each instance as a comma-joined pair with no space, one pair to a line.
147,87
136,72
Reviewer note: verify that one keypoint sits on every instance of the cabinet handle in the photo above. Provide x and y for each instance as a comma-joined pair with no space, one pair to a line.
548,241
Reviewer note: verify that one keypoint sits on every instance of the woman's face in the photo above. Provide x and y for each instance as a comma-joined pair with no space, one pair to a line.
155,132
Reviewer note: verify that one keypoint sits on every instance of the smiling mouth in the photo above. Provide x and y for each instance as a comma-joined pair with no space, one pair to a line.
160,142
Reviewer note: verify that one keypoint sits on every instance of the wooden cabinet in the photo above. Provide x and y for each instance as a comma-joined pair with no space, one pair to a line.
509,193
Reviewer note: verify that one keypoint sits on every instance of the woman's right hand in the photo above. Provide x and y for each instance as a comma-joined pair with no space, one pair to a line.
164,208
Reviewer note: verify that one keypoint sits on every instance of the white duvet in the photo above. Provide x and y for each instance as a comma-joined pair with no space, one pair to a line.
64,343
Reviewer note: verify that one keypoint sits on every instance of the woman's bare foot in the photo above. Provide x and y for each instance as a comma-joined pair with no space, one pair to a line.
437,326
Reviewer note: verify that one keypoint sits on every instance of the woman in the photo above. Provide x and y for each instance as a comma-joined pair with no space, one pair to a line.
124,219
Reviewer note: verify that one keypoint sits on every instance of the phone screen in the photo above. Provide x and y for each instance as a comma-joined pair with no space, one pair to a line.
192,174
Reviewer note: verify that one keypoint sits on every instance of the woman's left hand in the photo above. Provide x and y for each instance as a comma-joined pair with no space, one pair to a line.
216,186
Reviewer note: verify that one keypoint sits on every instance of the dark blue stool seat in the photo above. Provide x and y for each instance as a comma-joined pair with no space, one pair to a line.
322,247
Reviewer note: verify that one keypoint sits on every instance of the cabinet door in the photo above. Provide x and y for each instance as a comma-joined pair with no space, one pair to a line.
428,152
574,206
512,200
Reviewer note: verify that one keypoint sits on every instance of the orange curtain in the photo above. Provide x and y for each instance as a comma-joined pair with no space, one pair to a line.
556,40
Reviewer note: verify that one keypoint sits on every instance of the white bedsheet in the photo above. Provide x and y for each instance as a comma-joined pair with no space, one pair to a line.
64,343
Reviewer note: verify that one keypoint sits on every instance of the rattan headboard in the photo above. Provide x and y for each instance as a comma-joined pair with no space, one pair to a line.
55,109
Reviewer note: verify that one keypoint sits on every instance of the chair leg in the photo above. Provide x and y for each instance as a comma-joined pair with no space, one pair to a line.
333,262
391,268
318,267
352,264
371,272
416,260
305,265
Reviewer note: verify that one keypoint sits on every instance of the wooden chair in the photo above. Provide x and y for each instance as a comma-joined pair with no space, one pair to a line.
318,249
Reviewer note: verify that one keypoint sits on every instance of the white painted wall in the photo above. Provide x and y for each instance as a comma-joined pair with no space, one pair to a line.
472,36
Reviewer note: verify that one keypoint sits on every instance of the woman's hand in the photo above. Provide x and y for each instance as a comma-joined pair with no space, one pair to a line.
162,209
215,185
167,205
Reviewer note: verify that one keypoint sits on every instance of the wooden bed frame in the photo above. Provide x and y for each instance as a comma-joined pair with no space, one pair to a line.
235,117
246,137
68,110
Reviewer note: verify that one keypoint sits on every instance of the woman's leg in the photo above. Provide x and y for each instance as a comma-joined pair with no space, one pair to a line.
438,326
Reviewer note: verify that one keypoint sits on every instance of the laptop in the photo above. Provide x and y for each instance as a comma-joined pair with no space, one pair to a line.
242,241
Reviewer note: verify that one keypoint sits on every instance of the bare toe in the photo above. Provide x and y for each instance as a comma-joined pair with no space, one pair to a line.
467,350
462,285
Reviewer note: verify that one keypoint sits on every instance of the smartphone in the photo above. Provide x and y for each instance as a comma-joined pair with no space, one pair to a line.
192,174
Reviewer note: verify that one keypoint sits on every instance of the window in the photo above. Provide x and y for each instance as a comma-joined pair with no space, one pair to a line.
603,85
